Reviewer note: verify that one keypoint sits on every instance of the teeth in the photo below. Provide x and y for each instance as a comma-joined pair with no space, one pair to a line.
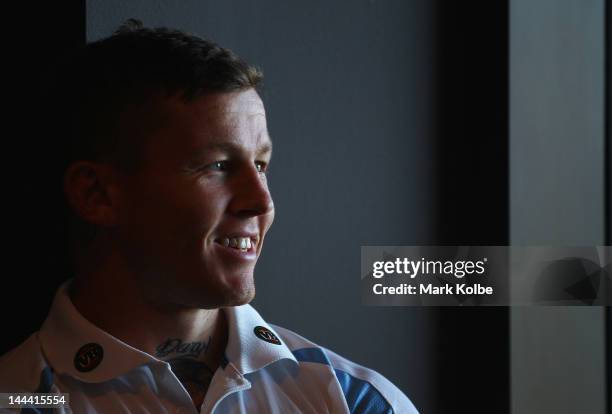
242,243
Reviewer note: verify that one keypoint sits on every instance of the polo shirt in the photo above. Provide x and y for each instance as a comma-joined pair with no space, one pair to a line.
265,369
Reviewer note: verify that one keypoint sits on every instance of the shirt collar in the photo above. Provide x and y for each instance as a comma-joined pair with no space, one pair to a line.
65,334
252,343
73,345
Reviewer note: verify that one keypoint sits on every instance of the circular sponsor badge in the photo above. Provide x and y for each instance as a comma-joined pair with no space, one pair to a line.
267,335
88,357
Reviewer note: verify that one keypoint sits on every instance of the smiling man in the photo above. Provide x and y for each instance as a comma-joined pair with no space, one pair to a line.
166,181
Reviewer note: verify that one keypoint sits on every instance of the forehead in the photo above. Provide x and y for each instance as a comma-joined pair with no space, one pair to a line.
229,105
237,118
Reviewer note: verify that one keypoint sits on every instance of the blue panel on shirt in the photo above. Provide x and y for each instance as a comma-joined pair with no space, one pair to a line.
361,396
44,385
311,355
46,380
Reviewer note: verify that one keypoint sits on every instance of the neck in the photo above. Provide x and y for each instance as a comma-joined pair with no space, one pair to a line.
113,301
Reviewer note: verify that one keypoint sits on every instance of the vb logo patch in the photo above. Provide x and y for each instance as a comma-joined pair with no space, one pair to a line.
88,357
267,335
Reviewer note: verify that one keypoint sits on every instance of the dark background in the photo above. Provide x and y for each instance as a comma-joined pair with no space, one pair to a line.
608,186
390,121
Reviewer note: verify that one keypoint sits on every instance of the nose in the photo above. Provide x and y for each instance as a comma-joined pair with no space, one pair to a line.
251,196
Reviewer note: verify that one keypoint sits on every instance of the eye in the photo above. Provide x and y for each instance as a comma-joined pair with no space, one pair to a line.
261,166
218,166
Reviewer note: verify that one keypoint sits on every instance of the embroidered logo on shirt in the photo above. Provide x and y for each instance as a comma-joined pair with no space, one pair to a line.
265,334
88,357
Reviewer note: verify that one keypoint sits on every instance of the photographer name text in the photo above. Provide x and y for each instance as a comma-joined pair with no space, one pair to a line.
430,289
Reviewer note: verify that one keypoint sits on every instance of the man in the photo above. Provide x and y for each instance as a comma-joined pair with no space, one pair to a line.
167,182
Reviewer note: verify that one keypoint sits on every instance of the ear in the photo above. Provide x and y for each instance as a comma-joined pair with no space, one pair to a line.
91,192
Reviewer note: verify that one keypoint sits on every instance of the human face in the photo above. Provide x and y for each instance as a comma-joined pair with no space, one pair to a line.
202,185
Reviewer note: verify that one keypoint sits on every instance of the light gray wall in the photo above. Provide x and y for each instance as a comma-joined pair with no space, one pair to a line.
557,193
348,90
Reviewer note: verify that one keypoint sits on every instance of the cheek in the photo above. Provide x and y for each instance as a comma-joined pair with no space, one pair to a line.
172,212
204,208
154,214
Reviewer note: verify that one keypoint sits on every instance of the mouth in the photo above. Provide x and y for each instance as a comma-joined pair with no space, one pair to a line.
239,245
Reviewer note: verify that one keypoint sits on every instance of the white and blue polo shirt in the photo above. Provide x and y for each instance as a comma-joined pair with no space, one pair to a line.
266,369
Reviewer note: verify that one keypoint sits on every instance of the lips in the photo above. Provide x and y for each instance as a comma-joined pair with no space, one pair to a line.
239,245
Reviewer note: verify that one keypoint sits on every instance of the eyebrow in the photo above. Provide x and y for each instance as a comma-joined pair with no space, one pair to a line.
265,149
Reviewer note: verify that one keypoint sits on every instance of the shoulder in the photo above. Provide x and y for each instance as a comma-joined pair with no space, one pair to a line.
365,390
24,368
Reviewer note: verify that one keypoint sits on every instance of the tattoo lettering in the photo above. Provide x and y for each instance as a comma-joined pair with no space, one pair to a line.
175,345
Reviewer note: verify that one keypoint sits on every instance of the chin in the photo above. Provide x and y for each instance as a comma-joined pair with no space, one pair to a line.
239,294
234,292
223,299
245,298
212,290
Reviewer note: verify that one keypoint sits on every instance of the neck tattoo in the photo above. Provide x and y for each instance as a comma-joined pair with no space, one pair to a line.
176,346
